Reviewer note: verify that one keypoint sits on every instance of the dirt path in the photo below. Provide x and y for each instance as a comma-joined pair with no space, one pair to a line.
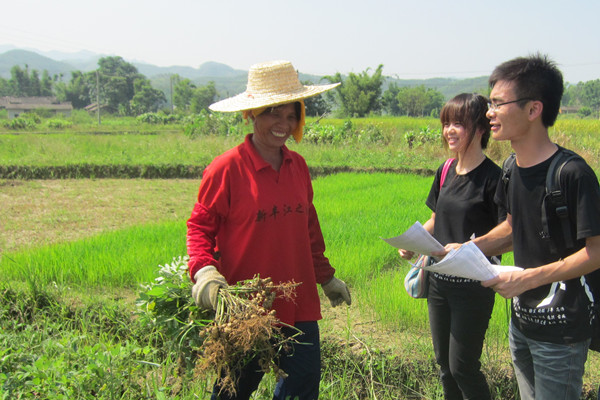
51,211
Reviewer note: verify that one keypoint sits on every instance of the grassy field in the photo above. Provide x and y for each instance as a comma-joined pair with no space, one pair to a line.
101,272
74,252
75,147
144,144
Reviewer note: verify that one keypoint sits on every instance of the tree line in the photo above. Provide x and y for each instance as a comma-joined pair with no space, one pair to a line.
121,89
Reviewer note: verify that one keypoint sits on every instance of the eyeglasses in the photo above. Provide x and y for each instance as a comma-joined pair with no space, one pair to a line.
495,106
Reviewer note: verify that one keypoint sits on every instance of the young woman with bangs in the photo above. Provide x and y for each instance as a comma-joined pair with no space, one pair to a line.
462,208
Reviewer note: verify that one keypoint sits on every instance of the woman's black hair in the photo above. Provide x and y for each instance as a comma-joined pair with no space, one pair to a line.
469,109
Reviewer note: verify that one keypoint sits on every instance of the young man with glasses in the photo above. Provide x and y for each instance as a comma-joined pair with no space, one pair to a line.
552,304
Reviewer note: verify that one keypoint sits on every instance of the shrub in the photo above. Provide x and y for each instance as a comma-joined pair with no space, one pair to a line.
329,134
585,112
158,118
324,134
44,112
217,124
58,123
370,134
20,123
82,117
32,116
425,135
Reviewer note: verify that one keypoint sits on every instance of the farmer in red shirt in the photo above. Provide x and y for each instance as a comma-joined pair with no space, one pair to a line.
255,210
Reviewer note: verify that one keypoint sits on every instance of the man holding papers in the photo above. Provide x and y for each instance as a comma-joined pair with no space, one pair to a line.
552,307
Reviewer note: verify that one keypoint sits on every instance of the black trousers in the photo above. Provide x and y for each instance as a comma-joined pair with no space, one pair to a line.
459,314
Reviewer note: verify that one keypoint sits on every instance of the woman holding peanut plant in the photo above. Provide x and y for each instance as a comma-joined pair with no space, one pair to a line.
255,215
463,206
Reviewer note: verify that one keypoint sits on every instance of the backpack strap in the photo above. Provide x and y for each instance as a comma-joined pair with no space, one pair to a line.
445,169
507,167
556,197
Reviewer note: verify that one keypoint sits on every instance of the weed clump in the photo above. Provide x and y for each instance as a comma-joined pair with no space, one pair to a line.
243,327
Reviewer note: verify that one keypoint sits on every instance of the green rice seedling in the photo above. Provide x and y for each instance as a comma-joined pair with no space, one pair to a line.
114,259
384,205
385,293
356,210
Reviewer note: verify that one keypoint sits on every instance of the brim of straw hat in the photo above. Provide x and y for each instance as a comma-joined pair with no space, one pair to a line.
270,84
248,101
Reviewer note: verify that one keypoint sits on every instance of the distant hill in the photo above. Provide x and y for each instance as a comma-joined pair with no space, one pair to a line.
208,69
449,87
228,81
24,58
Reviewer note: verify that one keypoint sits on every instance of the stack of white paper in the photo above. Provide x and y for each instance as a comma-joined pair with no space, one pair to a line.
466,262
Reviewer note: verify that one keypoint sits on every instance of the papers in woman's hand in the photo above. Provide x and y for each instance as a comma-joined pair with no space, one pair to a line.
466,262
416,239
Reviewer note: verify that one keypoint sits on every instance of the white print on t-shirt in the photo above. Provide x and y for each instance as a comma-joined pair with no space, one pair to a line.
546,312
548,300
588,291
542,315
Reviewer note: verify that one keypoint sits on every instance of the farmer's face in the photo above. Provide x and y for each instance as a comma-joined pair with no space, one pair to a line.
275,125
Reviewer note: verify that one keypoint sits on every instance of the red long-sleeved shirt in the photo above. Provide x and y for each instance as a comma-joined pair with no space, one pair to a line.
261,222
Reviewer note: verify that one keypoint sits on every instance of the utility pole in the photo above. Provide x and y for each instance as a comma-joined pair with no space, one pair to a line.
172,105
98,96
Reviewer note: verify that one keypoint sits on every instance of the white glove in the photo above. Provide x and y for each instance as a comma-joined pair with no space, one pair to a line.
208,283
337,292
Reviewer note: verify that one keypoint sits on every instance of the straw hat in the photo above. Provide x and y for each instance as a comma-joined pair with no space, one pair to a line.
270,84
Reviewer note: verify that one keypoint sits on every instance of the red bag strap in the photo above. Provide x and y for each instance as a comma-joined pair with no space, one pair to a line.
445,169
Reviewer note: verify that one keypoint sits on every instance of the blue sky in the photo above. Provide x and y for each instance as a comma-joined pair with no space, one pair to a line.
412,39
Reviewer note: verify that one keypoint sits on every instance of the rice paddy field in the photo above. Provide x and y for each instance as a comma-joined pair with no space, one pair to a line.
75,253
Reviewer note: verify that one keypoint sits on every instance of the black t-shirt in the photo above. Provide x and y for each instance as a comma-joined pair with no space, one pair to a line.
558,312
465,205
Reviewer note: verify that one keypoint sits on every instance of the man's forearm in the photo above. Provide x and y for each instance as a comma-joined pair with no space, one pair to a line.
498,240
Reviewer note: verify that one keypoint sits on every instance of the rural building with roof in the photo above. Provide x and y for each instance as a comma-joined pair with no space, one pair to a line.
16,106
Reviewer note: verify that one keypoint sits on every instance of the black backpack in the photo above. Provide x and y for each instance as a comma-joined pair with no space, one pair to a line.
555,202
